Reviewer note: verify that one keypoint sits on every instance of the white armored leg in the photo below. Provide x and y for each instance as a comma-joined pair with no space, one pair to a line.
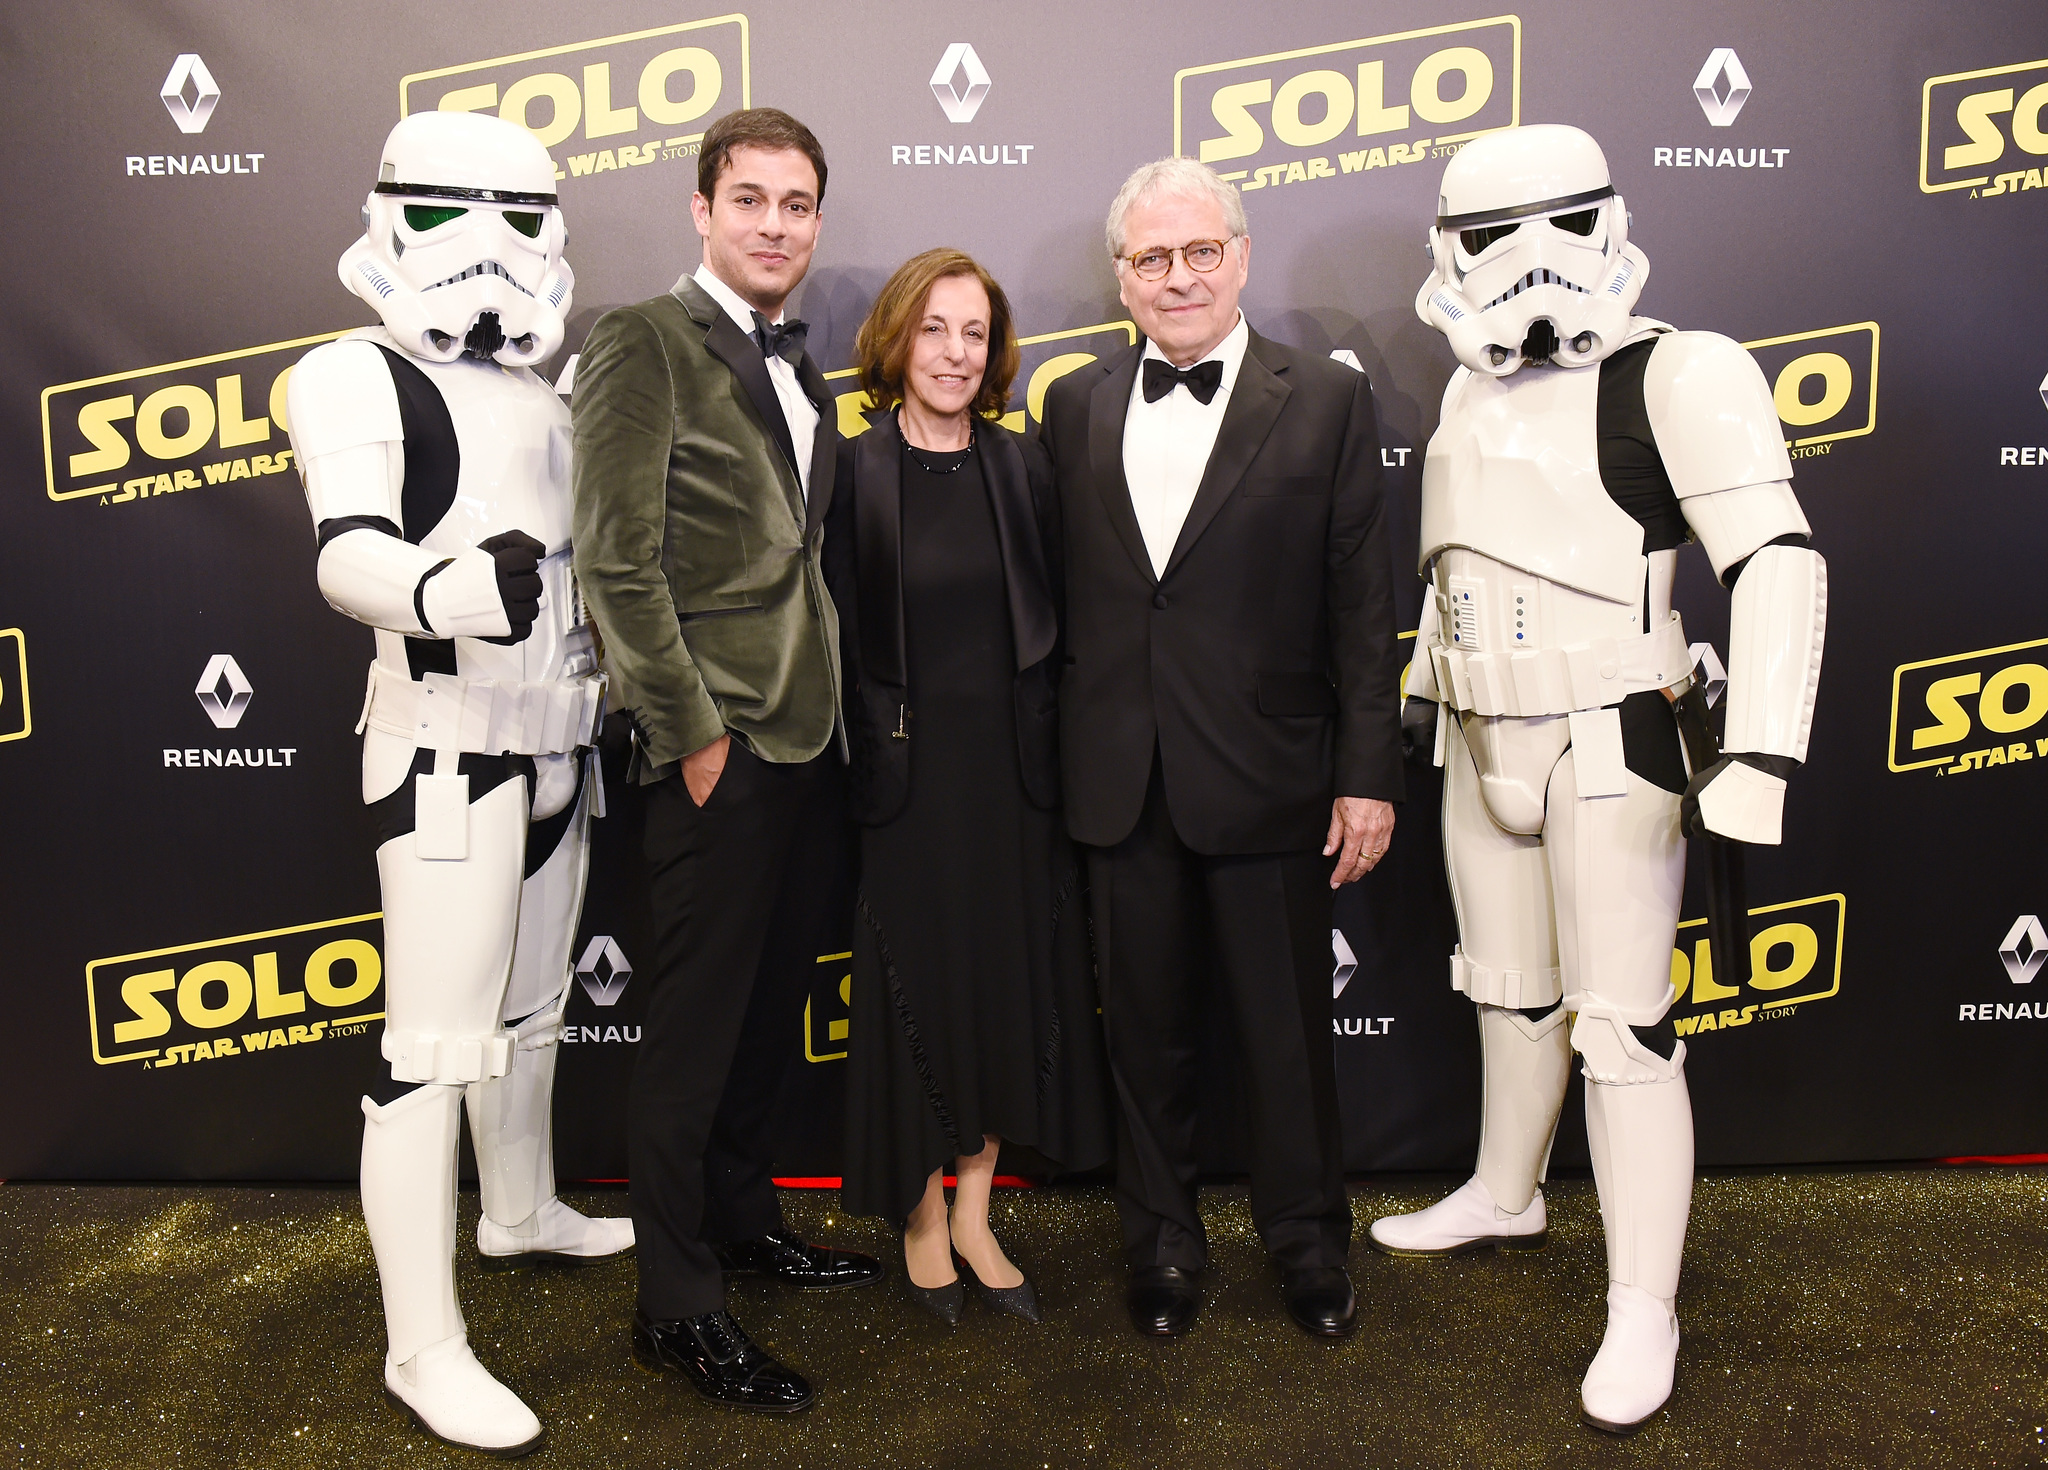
408,1186
1494,781
1619,869
511,1117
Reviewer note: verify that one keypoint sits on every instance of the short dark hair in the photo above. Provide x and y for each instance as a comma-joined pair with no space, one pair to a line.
754,127
881,349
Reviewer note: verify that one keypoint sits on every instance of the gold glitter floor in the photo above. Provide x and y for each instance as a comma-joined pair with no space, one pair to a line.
1875,1318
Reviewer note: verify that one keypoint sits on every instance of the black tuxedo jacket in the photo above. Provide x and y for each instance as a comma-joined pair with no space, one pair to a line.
864,569
1263,665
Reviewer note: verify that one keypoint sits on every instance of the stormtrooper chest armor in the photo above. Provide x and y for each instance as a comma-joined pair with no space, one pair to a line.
1545,600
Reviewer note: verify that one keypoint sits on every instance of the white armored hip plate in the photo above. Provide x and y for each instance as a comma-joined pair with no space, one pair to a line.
513,435
1513,472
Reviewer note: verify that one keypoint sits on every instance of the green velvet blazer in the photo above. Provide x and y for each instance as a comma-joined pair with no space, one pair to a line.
696,551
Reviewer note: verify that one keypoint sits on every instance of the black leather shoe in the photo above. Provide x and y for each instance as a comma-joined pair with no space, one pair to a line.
721,1362
1163,1300
786,1259
1321,1301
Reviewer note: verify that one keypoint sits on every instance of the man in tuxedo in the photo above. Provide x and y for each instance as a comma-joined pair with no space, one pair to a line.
704,449
1229,727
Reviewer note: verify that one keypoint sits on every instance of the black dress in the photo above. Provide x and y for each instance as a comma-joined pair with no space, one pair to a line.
973,1002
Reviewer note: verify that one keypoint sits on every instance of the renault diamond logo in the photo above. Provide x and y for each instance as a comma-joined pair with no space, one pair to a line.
1722,107
603,971
1347,963
224,709
2024,949
188,71
960,105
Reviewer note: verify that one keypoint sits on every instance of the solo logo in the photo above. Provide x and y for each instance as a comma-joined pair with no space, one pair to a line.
613,103
232,997
1984,128
155,431
1971,711
1823,384
1043,361
1795,955
15,719
828,1011
1375,103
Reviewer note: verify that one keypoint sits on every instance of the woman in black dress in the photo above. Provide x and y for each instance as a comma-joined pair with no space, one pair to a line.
974,1014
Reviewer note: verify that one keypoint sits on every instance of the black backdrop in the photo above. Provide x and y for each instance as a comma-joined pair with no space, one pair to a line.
176,885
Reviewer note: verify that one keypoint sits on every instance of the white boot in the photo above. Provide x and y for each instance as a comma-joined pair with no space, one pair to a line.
511,1122
554,1232
1641,1141
1525,1065
408,1184
1467,1219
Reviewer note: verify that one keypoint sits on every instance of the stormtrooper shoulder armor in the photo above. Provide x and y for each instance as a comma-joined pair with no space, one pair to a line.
341,395
1711,410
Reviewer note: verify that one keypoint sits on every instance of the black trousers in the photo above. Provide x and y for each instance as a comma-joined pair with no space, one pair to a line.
1165,918
744,890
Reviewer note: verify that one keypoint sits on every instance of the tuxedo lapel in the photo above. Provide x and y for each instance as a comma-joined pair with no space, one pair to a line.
1255,403
1108,406
878,549
742,354
1024,575
824,443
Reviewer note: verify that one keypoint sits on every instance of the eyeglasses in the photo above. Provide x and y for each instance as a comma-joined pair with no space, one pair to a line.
1154,261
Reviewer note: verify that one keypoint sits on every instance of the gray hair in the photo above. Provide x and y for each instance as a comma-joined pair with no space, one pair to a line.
1182,177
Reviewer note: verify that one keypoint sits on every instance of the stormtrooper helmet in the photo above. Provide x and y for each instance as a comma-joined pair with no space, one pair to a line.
462,241
1532,256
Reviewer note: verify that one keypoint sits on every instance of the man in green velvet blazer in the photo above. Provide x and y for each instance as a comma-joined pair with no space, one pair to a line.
704,453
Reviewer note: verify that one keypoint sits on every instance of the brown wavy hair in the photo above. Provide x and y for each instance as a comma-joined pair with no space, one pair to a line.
882,348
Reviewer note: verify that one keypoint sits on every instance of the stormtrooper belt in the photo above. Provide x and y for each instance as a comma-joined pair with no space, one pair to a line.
1557,681
486,716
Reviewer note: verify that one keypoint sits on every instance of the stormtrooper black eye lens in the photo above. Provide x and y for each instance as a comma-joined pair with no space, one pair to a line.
1477,240
424,217
1579,223
527,224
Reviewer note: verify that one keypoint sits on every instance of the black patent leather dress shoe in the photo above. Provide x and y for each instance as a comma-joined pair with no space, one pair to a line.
1163,1300
721,1362
786,1259
1321,1301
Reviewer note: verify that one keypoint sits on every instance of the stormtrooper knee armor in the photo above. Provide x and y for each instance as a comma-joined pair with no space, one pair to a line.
436,466
1579,448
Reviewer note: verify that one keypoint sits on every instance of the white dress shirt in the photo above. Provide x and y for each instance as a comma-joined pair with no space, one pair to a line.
797,410
1167,446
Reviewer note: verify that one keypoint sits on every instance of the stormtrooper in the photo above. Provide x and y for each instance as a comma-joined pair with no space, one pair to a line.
436,466
1580,447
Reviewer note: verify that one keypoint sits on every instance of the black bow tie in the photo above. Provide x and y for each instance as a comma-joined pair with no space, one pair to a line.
1202,380
781,339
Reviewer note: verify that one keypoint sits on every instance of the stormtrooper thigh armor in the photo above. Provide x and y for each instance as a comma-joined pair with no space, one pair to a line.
436,469
1579,447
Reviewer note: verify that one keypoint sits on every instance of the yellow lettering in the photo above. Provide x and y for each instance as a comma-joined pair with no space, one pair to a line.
1799,938
199,420
1704,987
270,1001
1951,722
139,994
2026,120
559,90
1973,116
96,422
299,1034
1242,135
231,977
707,81
1426,91
469,99
1335,90
369,970
1837,380
234,429
1991,710
600,118
1373,114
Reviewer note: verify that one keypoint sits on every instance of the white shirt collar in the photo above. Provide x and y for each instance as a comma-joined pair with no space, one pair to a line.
735,304
1229,352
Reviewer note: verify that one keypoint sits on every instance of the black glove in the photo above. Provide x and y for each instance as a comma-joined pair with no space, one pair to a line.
1418,731
518,557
